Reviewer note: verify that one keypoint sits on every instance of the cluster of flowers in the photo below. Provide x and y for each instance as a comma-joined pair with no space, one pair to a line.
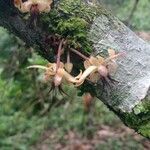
96,68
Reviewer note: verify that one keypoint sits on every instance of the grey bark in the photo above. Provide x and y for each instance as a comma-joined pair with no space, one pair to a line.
134,69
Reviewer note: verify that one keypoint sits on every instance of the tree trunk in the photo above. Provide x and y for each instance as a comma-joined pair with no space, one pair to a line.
130,99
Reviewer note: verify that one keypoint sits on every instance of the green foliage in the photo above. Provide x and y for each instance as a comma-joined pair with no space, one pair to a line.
25,128
7,44
122,9
120,144
143,110
140,20
87,88
140,122
145,130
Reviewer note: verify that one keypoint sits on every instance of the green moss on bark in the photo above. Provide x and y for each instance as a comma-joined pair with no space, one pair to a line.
139,118
72,20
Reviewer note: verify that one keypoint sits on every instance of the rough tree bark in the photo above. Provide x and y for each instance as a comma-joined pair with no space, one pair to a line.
130,99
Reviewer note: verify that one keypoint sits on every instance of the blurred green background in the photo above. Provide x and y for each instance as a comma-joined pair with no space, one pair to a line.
33,118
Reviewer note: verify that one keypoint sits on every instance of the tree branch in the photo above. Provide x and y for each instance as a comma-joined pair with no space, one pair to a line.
12,20
130,99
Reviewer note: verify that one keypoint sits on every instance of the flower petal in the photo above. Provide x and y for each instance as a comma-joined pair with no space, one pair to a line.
87,64
94,61
69,77
17,3
26,6
37,67
61,65
112,67
85,74
58,77
113,57
44,6
101,60
51,70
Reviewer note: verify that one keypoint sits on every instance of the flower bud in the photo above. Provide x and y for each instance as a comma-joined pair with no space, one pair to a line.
87,101
103,71
58,77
